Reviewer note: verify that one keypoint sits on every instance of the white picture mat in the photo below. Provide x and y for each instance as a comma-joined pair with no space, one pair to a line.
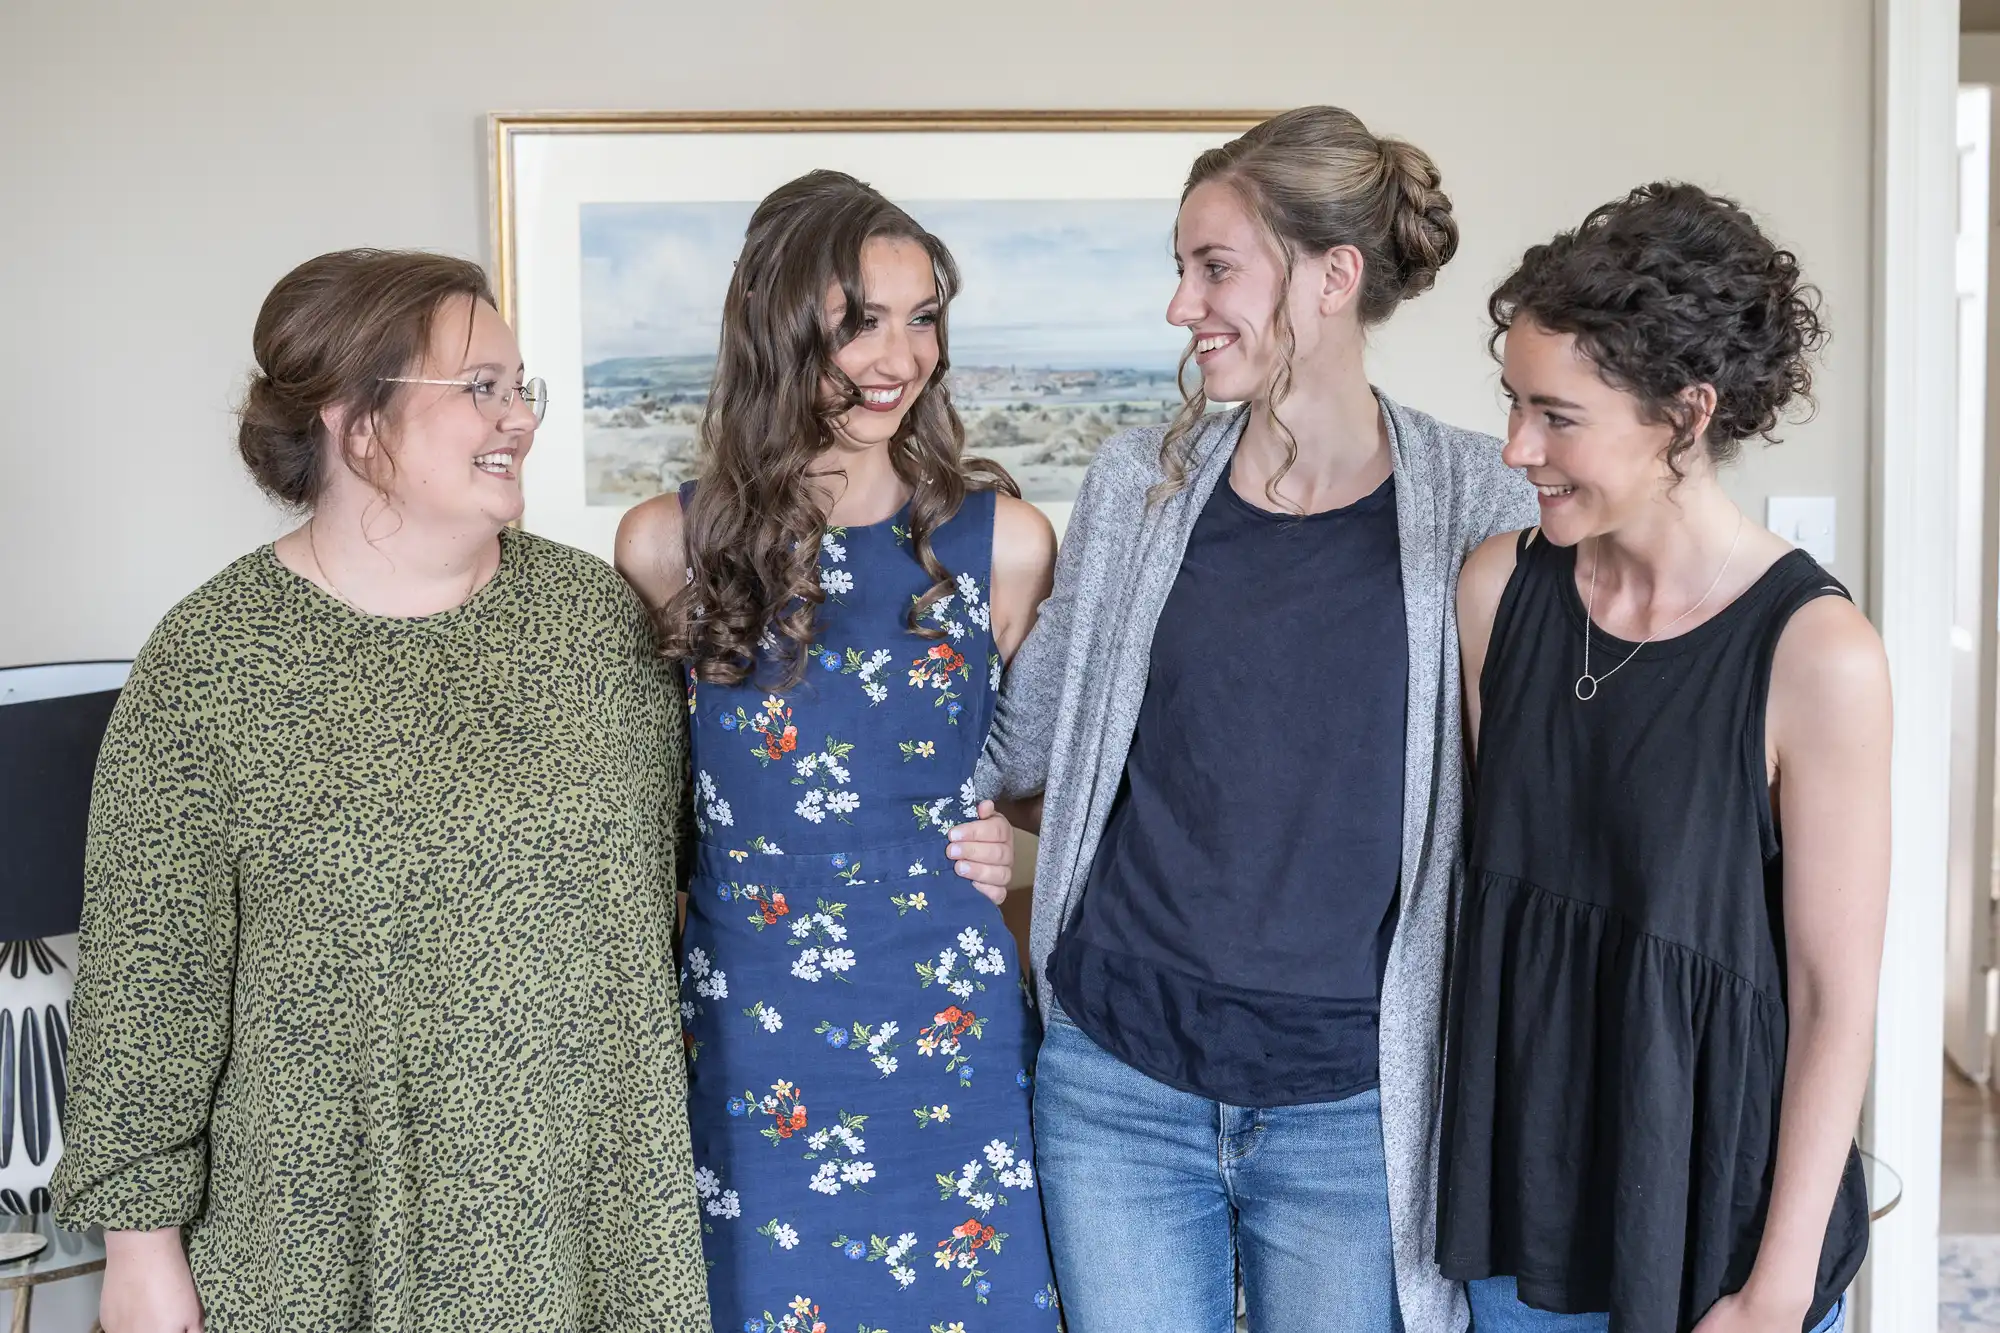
554,174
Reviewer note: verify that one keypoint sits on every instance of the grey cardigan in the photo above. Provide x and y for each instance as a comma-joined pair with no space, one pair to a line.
1071,699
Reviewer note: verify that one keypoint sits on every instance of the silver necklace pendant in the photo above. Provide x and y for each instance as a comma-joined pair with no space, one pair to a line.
1590,619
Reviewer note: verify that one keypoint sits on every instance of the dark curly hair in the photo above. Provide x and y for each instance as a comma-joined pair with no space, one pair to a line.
1672,287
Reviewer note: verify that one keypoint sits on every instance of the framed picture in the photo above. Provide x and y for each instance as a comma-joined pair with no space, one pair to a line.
614,235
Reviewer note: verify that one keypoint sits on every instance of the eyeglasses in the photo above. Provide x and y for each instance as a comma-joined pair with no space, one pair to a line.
487,397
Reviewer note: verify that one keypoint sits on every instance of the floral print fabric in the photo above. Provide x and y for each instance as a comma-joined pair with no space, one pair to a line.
860,1046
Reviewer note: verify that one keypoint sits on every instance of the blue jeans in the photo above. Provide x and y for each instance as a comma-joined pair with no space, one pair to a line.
1497,1309
1152,1195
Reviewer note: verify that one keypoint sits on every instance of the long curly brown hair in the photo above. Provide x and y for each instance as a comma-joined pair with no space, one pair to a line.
753,528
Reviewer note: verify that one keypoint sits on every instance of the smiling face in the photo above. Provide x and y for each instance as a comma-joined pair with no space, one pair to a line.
891,360
1232,274
457,456
1594,460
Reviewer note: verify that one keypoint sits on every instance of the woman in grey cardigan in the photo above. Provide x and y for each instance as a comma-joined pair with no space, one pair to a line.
1241,704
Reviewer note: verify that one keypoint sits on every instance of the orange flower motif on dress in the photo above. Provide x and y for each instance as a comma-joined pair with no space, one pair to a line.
773,722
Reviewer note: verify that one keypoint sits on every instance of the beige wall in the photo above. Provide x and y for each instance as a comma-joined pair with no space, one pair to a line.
162,165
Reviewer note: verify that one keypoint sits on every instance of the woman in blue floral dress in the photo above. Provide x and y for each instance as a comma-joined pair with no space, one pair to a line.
845,588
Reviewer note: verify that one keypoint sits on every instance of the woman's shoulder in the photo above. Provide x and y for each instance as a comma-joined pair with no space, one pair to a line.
1486,495
567,576
651,550
249,602
1132,462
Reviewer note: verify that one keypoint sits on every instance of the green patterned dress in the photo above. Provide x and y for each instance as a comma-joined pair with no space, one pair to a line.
376,994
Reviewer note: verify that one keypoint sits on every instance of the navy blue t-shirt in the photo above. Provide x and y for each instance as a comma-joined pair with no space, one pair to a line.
1238,913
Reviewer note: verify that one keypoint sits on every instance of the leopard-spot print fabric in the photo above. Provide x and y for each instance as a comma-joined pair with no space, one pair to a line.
375,993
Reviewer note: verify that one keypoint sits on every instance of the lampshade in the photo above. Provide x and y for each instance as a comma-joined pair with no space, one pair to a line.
52,721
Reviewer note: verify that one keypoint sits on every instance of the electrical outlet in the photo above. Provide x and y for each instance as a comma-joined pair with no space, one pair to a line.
1804,521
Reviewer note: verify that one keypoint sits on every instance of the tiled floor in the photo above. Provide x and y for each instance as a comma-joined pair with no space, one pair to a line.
1969,1210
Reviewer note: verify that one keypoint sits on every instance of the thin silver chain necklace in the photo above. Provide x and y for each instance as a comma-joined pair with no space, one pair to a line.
1586,684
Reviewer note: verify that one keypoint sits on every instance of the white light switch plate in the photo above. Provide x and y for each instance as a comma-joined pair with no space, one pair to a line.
1803,520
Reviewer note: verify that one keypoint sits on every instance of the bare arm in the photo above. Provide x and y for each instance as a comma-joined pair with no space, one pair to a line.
1024,570
1024,573
1828,727
1024,561
650,552
1481,582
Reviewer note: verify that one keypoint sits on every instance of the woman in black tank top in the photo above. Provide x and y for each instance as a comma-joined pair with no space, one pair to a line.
1672,919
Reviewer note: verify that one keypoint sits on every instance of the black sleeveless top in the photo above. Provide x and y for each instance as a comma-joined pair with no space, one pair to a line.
1616,1034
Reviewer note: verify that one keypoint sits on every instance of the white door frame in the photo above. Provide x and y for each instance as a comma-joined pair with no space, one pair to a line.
1914,410
1969,857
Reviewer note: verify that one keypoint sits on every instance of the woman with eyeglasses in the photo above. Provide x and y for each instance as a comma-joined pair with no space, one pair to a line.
376,1024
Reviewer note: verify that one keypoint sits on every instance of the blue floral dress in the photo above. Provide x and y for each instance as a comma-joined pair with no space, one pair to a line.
859,1037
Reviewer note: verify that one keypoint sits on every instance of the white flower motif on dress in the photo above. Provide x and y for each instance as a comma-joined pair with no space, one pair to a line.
697,962
766,1015
856,1173
943,971
917,868
816,934
993,672
726,1207
835,582
968,800
832,549
972,1185
867,671
826,1180
902,1272
714,986
710,809
934,815
707,1183
831,774
787,1238
782,1235
999,1154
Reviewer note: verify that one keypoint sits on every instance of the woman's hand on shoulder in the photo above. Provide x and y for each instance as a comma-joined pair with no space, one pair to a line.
1024,570
651,552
